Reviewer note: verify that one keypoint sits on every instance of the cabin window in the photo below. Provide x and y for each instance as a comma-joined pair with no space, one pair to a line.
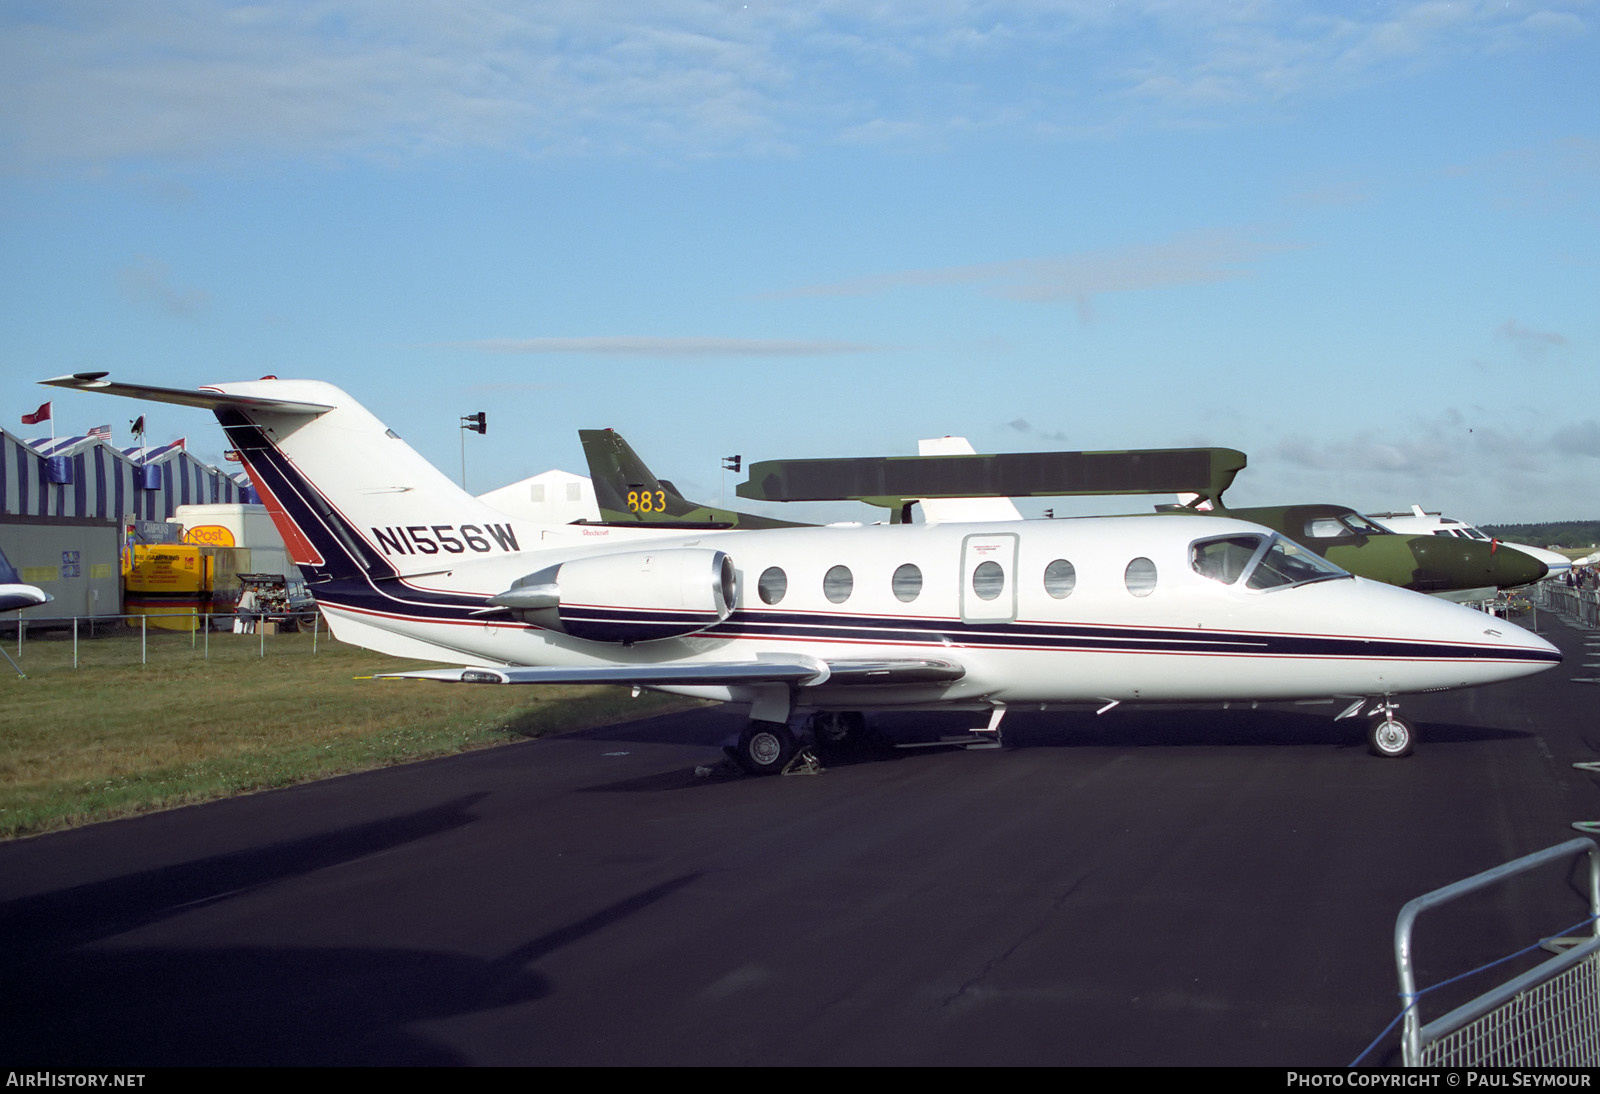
1223,559
1140,577
837,583
907,583
1060,578
988,580
772,585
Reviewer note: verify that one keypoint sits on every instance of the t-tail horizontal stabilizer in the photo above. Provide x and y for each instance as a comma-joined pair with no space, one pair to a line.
205,400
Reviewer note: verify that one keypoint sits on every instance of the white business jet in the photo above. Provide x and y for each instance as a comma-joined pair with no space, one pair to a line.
1420,522
831,621
14,594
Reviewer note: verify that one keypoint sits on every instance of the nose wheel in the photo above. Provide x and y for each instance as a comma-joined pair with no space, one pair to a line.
1390,736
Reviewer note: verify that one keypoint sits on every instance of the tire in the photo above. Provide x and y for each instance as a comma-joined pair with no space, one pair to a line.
838,728
1390,737
765,748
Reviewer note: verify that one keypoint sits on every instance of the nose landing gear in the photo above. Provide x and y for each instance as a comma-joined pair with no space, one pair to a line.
1389,735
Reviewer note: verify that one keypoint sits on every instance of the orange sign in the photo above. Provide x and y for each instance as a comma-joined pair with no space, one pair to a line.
209,535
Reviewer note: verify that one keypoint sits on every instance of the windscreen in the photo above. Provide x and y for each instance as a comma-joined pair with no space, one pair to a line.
1264,562
1287,563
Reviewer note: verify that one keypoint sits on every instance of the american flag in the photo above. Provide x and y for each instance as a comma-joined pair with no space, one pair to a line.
101,431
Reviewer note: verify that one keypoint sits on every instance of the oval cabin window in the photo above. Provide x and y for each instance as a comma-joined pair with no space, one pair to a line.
907,583
1140,577
988,580
772,585
837,583
1060,578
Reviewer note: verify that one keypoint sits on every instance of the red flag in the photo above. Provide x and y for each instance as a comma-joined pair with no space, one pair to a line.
40,415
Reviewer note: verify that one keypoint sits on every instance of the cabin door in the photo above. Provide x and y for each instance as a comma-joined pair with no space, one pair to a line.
989,578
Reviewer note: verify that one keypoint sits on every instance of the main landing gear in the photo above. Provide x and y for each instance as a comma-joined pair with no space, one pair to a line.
771,748
838,730
765,748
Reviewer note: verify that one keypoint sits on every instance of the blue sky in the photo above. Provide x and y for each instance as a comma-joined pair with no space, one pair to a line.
1358,241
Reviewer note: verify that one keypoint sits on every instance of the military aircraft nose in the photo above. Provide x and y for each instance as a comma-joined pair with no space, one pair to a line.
1444,562
1512,567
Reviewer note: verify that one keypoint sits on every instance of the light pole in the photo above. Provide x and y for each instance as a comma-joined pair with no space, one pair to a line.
477,423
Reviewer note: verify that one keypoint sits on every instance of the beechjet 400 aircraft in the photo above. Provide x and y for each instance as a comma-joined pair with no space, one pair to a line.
14,595
831,621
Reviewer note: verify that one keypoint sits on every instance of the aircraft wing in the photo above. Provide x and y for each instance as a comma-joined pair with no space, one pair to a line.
804,672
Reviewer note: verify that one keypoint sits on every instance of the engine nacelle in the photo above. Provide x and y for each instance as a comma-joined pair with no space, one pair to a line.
633,597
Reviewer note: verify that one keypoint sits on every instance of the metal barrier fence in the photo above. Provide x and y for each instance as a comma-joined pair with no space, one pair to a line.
1580,605
92,641
1549,1016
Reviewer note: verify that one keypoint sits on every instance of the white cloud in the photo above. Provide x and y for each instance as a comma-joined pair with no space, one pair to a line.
1488,467
648,346
87,82
149,283
1192,259
1532,345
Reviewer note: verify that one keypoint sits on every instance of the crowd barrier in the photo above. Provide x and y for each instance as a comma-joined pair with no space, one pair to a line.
88,641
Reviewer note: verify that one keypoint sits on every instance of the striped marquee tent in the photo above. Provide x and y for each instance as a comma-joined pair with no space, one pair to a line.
86,477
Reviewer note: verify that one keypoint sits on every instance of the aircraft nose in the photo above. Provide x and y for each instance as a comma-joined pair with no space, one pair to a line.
1512,567
1531,652
1466,563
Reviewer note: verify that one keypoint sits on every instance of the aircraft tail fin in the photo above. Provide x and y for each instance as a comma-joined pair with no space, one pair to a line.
961,510
628,492
349,497
8,572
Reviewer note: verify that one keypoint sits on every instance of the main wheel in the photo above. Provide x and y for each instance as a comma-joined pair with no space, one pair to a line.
838,733
837,727
765,748
1390,737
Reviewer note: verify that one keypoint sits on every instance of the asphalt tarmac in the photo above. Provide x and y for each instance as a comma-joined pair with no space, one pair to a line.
1143,887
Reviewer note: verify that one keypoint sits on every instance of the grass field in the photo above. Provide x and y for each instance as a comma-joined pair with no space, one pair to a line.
168,719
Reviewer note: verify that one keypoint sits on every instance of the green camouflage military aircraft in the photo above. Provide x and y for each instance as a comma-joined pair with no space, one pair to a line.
1454,568
1428,564
627,492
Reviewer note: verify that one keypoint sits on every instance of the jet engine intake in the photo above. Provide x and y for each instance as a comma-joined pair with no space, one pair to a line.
638,596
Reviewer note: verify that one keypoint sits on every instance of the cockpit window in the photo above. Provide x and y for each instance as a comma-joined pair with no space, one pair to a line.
1343,525
1358,523
1288,563
1265,562
1225,559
